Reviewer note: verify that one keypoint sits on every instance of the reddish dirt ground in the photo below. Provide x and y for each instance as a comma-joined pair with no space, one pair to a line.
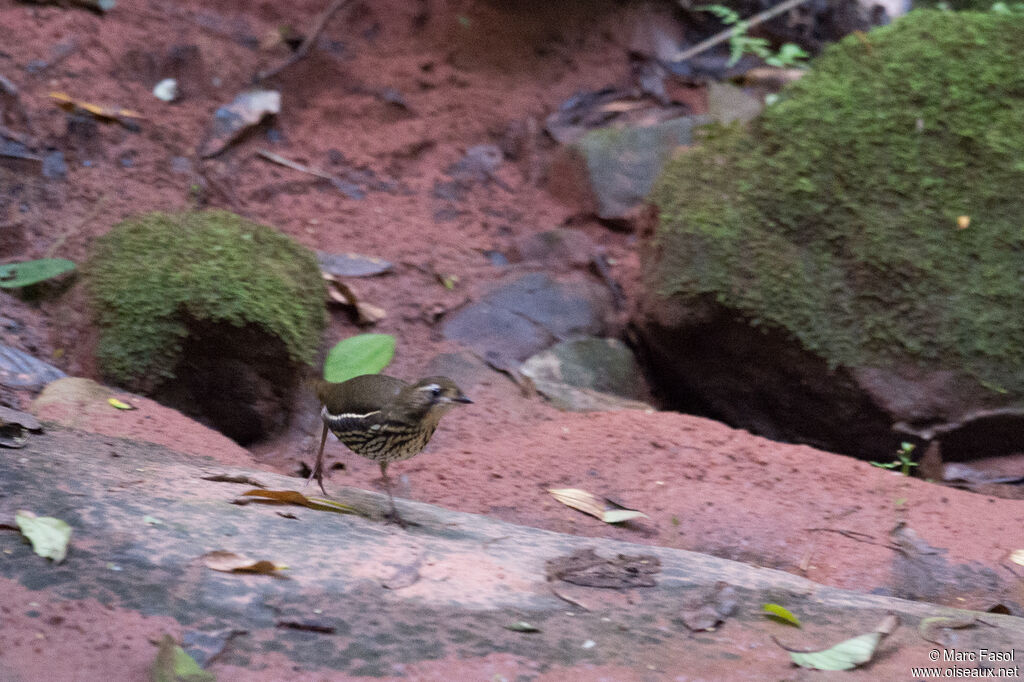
467,72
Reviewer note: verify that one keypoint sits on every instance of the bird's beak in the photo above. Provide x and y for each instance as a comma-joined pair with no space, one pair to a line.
460,398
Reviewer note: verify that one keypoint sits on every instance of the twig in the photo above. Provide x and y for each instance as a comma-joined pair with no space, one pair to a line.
347,188
307,44
758,18
854,535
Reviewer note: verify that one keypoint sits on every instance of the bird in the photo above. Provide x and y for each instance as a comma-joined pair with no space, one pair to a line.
383,418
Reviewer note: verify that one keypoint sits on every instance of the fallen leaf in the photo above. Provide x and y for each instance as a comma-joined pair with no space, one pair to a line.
232,120
781,613
114,402
522,626
293,497
126,117
1017,557
49,536
849,653
588,503
231,562
174,665
345,294
963,222
26,273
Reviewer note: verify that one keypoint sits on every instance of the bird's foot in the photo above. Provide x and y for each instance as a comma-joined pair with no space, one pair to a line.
318,474
393,516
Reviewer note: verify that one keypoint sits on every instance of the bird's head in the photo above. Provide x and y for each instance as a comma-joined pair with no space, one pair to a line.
433,396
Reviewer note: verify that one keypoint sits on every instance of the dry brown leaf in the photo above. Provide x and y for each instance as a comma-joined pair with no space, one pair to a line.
293,497
231,562
598,507
344,294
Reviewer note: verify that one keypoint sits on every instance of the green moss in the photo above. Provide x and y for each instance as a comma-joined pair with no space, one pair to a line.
835,215
150,275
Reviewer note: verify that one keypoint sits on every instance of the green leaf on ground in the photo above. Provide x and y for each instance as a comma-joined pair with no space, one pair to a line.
357,355
15,275
174,665
49,536
847,654
781,613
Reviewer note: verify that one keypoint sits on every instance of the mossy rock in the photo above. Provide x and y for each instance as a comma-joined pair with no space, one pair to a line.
835,219
198,291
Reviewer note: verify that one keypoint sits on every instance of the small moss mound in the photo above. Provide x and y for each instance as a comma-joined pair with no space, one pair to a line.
835,217
152,276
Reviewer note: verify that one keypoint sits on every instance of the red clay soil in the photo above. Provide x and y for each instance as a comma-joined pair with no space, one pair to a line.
469,71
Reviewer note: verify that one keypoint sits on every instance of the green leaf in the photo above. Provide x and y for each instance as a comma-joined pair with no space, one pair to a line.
847,654
782,614
174,665
49,536
15,275
843,656
356,355
522,626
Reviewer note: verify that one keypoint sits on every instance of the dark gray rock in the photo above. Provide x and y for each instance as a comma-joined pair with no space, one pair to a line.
588,374
528,314
619,165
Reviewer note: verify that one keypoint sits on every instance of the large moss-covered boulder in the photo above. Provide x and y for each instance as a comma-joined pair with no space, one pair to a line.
210,313
855,259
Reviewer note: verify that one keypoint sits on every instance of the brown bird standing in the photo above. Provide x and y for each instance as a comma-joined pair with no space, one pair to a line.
383,418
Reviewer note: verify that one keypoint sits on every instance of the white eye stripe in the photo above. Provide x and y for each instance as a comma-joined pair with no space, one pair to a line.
433,388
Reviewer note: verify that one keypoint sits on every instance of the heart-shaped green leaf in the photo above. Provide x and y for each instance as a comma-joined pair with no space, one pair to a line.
15,275
357,355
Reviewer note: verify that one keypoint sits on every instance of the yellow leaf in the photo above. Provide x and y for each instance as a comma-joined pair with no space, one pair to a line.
963,222
781,613
114,402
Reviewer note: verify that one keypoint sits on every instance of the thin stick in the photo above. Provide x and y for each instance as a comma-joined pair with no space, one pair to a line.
307,44
758,18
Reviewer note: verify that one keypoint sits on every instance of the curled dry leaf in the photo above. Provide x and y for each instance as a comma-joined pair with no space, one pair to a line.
231,562
601,508
246,111
344,294
120,404
1017,557
126,117
293,497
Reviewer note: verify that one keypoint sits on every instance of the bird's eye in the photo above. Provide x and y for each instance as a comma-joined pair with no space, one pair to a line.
435,390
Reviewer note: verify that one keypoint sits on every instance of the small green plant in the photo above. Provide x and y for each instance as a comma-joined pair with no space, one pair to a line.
789,55
903,459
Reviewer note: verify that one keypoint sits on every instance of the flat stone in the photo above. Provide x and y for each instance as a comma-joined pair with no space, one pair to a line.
480,576
522,317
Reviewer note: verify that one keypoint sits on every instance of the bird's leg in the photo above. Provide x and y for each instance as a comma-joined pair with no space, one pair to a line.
393,515
318,468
